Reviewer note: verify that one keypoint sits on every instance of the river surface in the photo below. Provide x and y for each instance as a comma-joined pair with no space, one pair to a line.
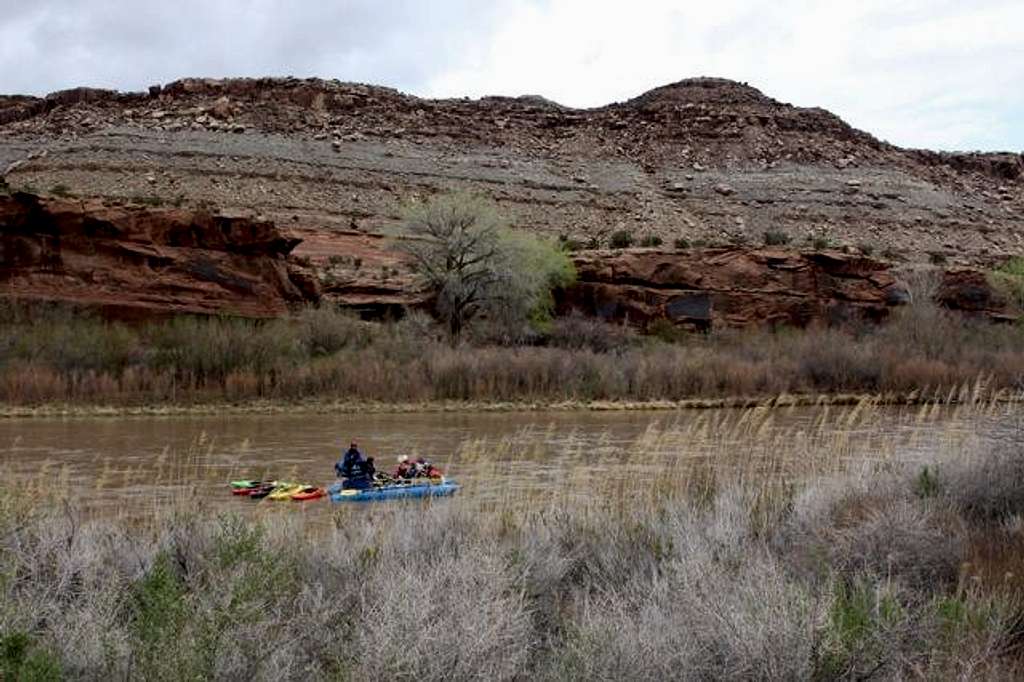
132,465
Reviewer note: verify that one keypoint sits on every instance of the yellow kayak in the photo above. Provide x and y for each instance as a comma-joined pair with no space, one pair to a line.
285,491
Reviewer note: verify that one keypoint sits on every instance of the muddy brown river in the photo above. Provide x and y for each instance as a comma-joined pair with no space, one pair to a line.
135,465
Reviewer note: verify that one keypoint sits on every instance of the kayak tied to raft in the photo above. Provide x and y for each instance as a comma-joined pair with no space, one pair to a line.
412,479
391,490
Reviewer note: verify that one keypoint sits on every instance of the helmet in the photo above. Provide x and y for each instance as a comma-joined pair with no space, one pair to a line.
403,459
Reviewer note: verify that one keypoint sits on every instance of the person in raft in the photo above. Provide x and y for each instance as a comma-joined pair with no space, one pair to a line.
354,469
418,468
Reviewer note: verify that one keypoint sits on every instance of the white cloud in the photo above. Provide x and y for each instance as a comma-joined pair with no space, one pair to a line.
916,73
934,73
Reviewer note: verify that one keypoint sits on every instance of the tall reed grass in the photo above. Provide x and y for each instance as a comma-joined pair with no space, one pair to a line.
51,356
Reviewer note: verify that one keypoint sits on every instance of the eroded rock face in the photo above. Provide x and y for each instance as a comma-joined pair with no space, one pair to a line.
733,287
971,292
142,262
702,159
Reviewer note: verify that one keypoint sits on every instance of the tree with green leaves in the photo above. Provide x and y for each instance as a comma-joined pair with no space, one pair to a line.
477,267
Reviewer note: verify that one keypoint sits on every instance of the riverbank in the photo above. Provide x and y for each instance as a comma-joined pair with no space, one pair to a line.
966,394
893,569
321,359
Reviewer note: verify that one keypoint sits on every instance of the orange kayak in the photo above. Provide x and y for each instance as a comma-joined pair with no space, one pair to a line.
308,492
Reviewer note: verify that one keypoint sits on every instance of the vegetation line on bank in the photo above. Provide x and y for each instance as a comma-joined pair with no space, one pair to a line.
327,358
965,394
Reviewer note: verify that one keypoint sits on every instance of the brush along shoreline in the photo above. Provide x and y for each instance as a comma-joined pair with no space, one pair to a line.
966,394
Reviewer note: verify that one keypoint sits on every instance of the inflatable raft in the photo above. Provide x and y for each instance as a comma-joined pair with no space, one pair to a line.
396,491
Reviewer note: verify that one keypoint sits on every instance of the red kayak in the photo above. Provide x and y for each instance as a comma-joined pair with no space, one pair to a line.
255,491
308,493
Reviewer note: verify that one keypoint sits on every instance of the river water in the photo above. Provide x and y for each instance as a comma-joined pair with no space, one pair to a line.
132,465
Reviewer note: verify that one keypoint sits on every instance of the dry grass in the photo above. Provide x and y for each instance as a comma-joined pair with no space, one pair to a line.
800,559
54,356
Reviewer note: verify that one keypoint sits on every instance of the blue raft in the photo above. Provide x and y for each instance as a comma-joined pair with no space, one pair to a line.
393,492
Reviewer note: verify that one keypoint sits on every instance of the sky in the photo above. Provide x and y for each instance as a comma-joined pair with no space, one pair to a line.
940,74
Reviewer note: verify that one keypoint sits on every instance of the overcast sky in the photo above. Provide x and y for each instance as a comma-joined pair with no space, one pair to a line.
943,74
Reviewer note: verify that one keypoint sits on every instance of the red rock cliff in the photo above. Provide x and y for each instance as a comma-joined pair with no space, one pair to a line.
146,261
733,287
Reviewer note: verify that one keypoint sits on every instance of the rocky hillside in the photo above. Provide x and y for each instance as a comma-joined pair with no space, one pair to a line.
706,160
247,196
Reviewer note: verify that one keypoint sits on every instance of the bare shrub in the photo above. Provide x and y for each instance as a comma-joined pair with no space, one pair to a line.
578,332
990,490
718,608
325,331
828,359
420,624
874,531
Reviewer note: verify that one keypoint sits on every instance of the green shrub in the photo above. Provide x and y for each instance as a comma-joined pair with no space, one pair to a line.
651,240
1008,278
61,190
621,239
866,249
776,238
681,243
148,200
927,483
821,242
22,660
857,635
159,616
1014,267
666,331
937,258
477,268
